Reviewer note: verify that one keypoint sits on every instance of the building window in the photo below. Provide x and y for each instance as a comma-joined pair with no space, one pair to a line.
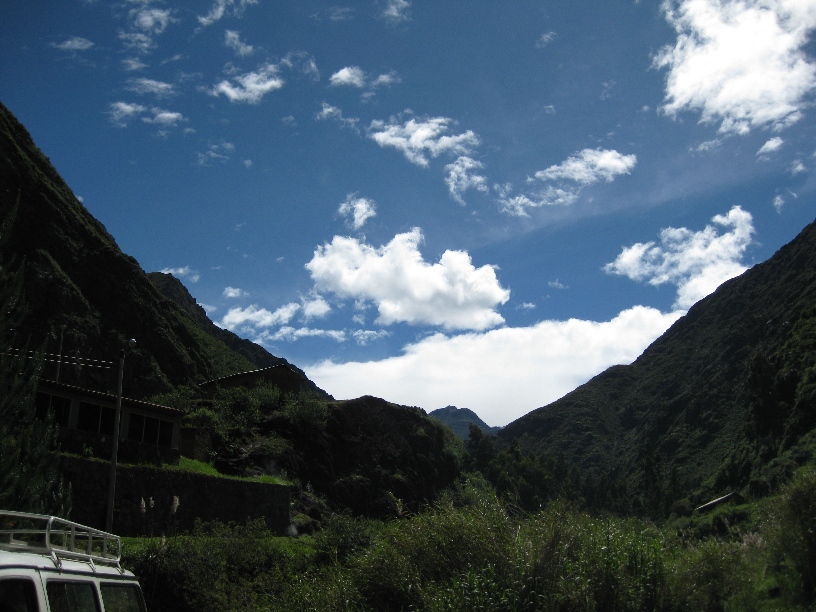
149,430
60,407
95,418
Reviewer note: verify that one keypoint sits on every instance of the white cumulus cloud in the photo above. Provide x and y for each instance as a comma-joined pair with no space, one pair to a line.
164,118
315,307
234,292
350,75
250,87
740,63
185,272
501,374
590,166
774,144
357,210
252,318
419,138
696,262
451,293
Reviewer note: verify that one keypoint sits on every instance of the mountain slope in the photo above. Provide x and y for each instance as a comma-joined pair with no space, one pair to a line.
460,419
727,390
75,275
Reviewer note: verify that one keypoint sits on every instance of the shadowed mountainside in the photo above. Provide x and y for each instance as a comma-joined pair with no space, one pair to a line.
76,276
725,399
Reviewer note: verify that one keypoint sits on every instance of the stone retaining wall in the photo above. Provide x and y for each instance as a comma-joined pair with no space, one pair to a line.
200,496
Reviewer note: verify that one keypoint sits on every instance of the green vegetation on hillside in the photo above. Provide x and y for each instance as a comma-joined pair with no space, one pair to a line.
467,552
724,401
30,480
76,276
366,456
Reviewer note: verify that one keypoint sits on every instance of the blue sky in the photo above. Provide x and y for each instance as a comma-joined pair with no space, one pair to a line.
479,204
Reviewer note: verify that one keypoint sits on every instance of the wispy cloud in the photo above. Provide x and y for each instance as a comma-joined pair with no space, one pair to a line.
131,64
122,112
357,210
291,334
354,76
254,318
462,176
159,89
418,138
590,166
327,112
233,41
234,293
774,144
336,13
75,43
224,7
151,20
164,118
217,152
545,39
564,182
741,64
145,23
250,87
137,41
451,293
367,336
696,262
265,326
185,272
396,11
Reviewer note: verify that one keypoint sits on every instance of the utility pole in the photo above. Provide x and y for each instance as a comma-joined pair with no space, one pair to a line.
59,356
115,451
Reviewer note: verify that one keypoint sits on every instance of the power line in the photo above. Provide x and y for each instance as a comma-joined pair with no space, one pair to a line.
66,359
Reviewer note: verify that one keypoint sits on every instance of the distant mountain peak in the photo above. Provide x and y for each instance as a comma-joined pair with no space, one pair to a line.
459,420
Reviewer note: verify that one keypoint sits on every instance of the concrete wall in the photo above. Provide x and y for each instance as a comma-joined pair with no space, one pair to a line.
200,496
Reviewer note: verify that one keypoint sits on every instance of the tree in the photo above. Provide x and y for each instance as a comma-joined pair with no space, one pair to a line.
30,479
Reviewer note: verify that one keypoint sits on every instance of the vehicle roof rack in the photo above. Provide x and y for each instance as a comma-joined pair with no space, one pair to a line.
58,539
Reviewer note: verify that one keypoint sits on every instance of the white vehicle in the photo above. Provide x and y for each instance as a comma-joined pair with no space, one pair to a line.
48,564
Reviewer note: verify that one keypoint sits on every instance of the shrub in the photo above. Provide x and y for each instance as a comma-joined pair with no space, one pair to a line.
791,533
217,568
